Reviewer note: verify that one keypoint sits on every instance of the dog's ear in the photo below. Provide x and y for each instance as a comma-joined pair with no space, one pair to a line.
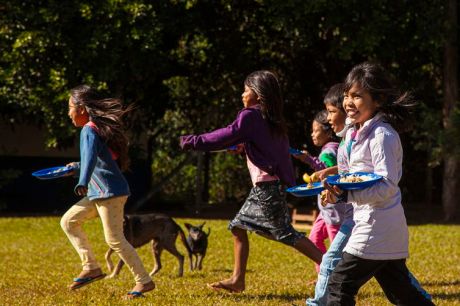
209,232
188,226
201,226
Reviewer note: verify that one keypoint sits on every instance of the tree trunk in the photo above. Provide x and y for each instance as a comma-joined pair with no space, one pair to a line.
199,182
451,192
207,160
429,182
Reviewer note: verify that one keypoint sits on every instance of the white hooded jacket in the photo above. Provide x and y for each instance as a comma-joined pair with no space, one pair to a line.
380,231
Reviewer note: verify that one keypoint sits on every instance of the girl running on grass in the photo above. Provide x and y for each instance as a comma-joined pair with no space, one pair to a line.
337,119
330,216
104,154
378,245
261,128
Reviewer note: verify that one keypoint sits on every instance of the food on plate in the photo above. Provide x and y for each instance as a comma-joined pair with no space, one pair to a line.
309,179
353,178
314,178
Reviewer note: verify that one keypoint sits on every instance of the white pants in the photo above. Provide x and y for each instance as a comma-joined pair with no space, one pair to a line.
111,213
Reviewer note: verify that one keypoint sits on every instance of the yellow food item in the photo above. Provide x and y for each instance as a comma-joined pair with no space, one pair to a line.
307,178
314,178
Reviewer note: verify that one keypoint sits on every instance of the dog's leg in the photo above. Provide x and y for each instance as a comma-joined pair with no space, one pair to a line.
170,246
108,260
194,262
191,262
156,250
199,259
187,247
117,269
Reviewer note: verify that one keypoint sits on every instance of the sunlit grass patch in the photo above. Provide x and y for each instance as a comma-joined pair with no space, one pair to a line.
38,263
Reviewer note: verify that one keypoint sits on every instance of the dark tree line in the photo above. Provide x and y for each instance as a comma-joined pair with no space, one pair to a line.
183,63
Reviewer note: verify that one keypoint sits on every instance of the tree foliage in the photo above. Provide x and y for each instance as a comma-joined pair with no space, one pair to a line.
183,63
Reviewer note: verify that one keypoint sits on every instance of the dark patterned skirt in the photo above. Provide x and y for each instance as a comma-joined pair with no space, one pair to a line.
265,212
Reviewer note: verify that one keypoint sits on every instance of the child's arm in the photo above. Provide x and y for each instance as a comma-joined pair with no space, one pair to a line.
237,132
386,152
322,174
314,162
90,145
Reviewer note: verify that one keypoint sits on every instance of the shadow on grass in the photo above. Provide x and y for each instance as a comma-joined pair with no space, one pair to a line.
455,296
442,283
250,299
204,274
447,296
229,270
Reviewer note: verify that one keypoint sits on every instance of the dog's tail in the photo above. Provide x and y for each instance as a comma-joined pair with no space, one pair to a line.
184,240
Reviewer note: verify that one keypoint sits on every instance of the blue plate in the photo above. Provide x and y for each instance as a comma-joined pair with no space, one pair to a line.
295,151
369,179
303,191
51,173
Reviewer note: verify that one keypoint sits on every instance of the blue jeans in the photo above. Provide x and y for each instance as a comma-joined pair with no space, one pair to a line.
332,258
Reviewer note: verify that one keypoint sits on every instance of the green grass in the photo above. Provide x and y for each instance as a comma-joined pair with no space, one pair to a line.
38,263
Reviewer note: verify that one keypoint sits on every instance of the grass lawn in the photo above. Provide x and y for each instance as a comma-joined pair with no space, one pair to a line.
38,263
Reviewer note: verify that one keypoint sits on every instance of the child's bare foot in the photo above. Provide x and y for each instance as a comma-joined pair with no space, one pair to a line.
139,289
228,285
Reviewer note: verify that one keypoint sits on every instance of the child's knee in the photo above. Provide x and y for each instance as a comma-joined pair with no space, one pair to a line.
67,224
328,265
238,232
116,243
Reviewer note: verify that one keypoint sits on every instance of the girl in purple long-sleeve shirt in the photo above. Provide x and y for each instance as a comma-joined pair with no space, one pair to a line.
261,130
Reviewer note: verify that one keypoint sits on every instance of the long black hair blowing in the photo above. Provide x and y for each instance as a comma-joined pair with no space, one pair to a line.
394,104
107,114
265,85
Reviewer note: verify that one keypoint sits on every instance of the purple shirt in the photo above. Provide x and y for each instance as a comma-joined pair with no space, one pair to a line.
328,154
268,152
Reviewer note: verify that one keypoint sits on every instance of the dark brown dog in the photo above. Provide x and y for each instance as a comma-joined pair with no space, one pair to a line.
158,228
197,241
